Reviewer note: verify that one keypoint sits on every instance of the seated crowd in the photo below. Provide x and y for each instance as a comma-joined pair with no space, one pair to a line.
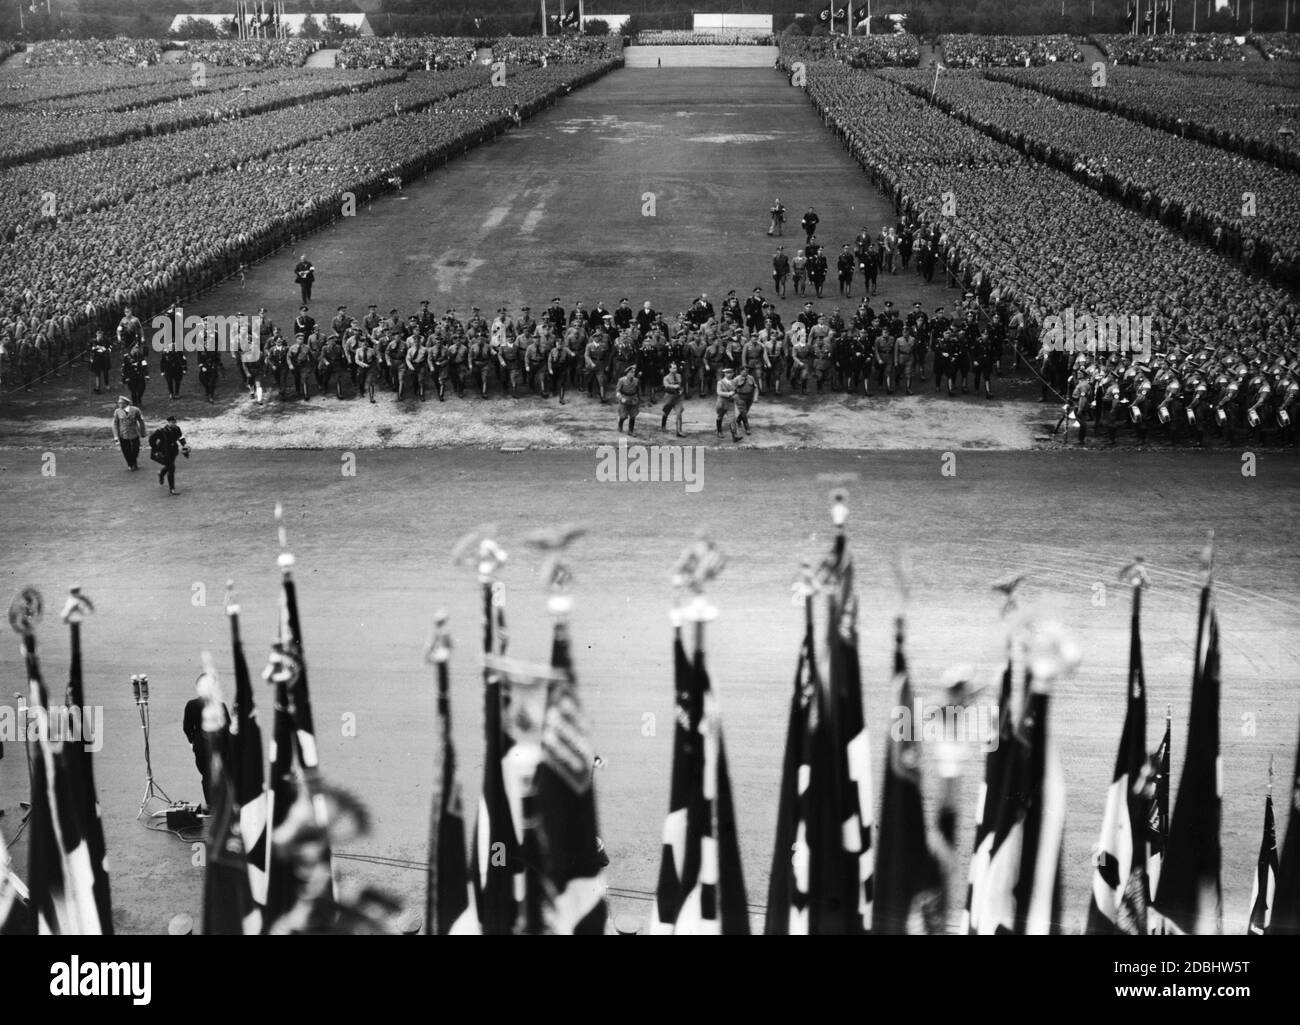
1283,46
1183,46
687,37
253,53
900,49
76,53
971,51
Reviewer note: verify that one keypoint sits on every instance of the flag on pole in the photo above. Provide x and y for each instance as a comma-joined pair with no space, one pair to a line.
448,893
823,865
1021,892
496,871
701,888
996,765
908,881
59,870
571,17
245,766
1286,903
1264,887
1158,821
572,858
77,761
228,905
301,876
15,911
1190,894
1119,881
788,885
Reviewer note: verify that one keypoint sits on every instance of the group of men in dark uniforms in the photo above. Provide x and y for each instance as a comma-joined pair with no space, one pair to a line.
1184,396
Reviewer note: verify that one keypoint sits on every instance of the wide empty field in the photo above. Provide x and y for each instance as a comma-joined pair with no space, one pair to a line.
373,566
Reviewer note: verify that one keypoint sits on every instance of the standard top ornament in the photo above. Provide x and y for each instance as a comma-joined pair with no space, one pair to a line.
26,610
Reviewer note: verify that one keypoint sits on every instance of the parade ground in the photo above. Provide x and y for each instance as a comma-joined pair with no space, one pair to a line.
373,555
647,184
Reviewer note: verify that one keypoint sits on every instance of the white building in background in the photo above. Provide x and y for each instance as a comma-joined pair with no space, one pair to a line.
294,21
733,24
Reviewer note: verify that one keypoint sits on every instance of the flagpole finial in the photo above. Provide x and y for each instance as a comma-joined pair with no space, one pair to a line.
279,526
438,650
1053,653
1007,587
77,606
480,547
699,563
839,508
1135,574
1207,556
556,574
1270,772
228,600
26,610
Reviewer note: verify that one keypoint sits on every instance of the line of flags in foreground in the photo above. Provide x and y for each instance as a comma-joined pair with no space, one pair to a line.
536,862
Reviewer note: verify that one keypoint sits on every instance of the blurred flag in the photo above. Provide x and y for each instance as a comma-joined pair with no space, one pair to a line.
1190,894
1263,888
1158,822
822,867
448,893
1022,888
787,894
300,878
908,882
245,767
15,910
228,905
1119,880
1286,903
495,866
572,858
701,882
60,874
996,765
571,18
77,760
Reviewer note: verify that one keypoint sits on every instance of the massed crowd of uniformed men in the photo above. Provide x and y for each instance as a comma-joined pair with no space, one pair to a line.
626,354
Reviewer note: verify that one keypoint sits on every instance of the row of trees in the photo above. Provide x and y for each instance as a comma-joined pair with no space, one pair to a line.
332,30
485,18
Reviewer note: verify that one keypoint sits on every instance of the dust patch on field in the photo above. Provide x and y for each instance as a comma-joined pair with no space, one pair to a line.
832,421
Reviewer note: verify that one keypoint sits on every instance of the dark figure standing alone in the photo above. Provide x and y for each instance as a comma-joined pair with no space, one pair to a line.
165,444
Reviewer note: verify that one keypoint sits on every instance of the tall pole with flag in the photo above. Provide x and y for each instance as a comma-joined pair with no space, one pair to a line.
245,762
59,869
77,759
228,906
1119,881
1190,894
823,866
909,886
296,770
572,855
1158,820
701,888
448,894
495,870
1264,886
1286,903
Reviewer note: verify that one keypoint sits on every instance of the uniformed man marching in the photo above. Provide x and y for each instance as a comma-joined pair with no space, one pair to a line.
726,404
674,391
628,392
746,391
